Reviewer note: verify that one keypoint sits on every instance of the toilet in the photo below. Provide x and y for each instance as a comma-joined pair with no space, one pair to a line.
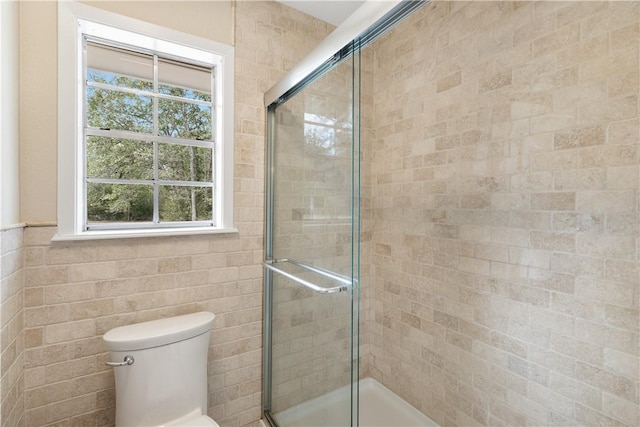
160,369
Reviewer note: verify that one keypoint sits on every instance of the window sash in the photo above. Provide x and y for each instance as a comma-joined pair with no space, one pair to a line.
153,137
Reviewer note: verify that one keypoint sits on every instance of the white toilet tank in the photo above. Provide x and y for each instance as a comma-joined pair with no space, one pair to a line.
167,382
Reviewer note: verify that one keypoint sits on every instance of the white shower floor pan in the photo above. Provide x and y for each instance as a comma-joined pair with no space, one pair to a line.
379,407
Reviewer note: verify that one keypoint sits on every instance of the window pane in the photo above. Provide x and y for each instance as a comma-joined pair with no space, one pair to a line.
184,80
119,67
186,203
184,120
112,109
119,158
119,203
182,163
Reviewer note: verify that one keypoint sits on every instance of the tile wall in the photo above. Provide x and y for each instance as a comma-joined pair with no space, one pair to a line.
11,327
505,203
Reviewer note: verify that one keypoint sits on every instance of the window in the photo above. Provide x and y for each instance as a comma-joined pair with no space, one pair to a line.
145,139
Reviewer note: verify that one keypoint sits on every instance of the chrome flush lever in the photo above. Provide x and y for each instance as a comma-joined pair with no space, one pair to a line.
128,360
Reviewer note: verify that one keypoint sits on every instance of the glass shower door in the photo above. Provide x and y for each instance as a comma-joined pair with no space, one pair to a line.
312,253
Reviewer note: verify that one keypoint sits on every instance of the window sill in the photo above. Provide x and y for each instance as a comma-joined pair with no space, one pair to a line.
130,234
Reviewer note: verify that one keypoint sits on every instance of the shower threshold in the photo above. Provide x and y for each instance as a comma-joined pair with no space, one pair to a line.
379,407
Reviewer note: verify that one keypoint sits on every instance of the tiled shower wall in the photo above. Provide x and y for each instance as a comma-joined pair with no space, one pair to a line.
11,327
74,292
505,200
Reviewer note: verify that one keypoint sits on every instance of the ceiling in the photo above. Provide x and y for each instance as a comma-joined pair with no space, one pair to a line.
332,11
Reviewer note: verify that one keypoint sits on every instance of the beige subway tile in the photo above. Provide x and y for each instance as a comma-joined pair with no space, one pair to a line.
174,265
38,236
623,132
529,334
530,220
552,122
92,271
559,201
510,236
582,179
556,241
534,29
549,161
69,331
625,177
577,265
33,337
529,257
75,406
560,39
587,49
578,391
110,288
615,109
90,383
91,309
623,85
33,297
39,276
622,270
509,201
623,364
34,377
556,79
46,394
68,293
605,66
34,256
620,409
579,137
577,349
495,81
618,293
622,317
449,82
551,360
530,295
622,223
617,385
603,245
69,369
606,336
530,182
139,267
39,316
578,222
506,271
502,411
551,400
546,279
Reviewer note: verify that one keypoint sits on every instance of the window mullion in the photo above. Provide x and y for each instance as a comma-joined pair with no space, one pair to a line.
156,149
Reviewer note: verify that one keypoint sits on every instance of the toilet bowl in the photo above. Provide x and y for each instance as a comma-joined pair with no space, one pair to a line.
160,371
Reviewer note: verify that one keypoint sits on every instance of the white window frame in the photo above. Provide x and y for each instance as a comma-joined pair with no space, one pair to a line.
73,21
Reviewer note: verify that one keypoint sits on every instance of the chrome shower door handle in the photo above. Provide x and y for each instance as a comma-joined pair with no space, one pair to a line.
128,360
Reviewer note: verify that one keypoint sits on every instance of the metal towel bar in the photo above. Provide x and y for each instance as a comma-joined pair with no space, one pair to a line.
346,283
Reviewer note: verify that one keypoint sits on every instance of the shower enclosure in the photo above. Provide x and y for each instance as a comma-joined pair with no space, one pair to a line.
312,247
312,244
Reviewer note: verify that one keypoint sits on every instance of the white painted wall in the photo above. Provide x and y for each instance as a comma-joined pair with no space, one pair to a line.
9,109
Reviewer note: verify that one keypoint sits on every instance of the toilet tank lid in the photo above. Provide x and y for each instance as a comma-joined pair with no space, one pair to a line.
158,332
